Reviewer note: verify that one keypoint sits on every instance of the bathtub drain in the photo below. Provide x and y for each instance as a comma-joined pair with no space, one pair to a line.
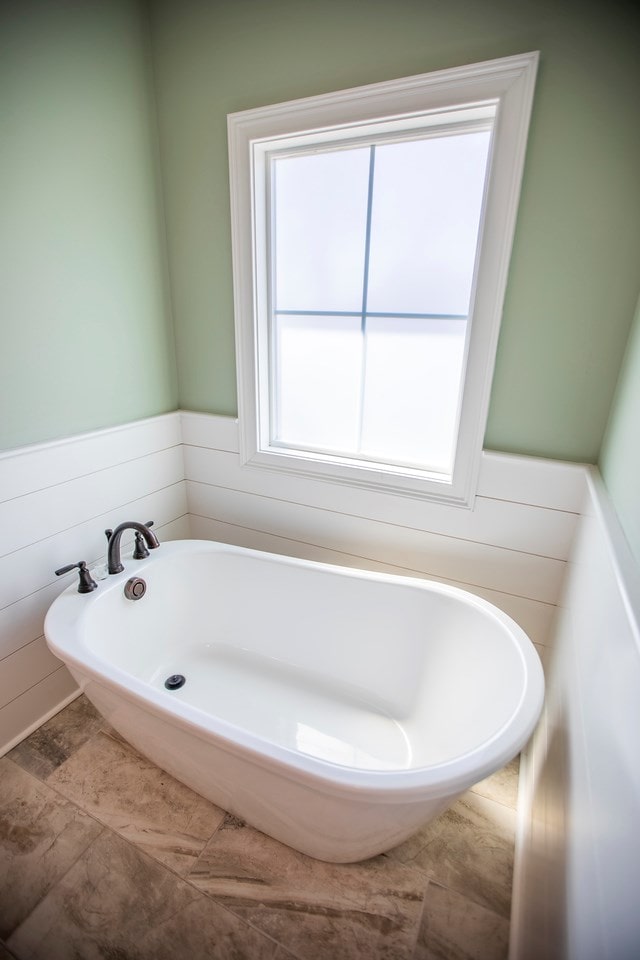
175,681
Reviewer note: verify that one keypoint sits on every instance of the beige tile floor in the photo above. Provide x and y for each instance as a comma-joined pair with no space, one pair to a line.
105,856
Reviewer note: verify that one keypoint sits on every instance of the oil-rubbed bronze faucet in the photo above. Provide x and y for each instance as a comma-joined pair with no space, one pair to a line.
114,564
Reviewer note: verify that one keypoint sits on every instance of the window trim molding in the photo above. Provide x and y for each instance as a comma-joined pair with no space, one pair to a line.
509,83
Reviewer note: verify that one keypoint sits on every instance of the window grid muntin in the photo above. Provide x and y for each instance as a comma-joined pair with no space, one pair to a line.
365,295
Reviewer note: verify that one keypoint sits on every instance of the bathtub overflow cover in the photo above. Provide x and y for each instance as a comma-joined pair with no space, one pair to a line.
175,681
135,588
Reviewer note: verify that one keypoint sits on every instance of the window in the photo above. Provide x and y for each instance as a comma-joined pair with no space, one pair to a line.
373,250
371,234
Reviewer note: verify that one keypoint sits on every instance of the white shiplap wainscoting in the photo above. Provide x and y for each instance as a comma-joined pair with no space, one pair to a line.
511,548
578,858
56,499
578,854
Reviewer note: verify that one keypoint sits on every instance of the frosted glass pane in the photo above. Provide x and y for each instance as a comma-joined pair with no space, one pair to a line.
426,211
320,203
412,388
318,362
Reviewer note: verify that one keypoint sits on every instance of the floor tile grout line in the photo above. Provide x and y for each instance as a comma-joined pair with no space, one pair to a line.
418,926
464,896
107,829
53,788
509,806
106,731
109,731
44,779
206,844
470,898
422,916
166,868
214,897
460,896
76,859
503,803
10,953
185,879
247,923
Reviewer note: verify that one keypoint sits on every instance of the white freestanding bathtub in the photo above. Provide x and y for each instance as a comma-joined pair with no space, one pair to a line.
336,710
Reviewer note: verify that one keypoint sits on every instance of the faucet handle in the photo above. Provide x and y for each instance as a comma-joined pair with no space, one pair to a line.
86,583
140,550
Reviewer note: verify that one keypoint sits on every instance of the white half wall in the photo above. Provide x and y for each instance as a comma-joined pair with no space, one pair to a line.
56,499
578,868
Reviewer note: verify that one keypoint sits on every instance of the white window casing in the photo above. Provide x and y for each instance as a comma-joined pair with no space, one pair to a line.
499,92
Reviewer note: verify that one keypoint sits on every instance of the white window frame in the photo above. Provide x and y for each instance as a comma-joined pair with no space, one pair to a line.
508,84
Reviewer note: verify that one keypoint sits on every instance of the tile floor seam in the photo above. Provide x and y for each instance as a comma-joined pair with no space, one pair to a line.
205,845
431,879
135,846
229,909
420,920
53,789
484,910
146,852
123,744
247,923
200,894
58,793
43,778
503,803
3,943
465,896
57,883
105,827
287,949
225,906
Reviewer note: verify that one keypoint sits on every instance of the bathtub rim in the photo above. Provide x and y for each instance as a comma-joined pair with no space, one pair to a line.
452,776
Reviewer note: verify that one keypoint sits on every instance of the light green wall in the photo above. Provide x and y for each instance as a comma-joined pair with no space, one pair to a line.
572,283
86,338
620,456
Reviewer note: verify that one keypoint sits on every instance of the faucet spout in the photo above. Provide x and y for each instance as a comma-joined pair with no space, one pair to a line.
114,563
